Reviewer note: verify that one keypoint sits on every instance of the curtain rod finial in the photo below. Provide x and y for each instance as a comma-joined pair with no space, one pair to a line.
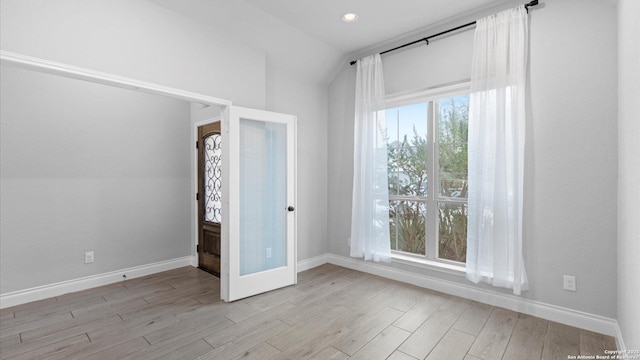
531,3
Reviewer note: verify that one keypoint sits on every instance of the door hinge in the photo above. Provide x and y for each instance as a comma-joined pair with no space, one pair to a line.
196,144
197,196
198,248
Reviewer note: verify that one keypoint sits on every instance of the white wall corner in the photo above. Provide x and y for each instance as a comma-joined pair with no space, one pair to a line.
620,343
310,263
46,291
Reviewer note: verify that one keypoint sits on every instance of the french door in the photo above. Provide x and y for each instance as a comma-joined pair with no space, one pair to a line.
258,233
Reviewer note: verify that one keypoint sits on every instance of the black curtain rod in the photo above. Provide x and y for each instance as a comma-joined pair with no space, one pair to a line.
426,39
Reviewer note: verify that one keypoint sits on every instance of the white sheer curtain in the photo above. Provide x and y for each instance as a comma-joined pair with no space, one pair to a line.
496,150
370,203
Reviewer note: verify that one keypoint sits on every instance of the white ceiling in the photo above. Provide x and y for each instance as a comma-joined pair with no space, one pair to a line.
307,38
378,20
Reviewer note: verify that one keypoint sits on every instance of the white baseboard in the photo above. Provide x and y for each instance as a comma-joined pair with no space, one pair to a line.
64,287
559,314
620,343
310,263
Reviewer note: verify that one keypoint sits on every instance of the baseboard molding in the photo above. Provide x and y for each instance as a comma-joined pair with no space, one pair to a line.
559,314
310,263
64,287
620,343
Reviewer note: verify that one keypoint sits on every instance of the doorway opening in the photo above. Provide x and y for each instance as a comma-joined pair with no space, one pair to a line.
258,157
209,198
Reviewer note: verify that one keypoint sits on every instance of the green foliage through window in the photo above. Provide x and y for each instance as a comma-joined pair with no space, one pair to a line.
411,160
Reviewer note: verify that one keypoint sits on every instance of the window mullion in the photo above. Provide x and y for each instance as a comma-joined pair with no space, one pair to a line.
396,174
432,192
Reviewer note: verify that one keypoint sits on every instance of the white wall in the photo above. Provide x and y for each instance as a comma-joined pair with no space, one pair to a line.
572,155
285,46
149,42
296,67
87,167
629,171
570,181
308,101
136,39
447,59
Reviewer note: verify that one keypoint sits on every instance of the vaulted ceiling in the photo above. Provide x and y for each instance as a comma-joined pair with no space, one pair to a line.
304,35
378,20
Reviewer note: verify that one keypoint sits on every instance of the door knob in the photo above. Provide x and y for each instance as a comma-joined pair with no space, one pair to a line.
291,208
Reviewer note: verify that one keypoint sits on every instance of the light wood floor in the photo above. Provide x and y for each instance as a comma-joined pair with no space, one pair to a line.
333,313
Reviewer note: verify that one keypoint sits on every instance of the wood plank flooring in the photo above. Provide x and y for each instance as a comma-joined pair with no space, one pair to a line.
332,313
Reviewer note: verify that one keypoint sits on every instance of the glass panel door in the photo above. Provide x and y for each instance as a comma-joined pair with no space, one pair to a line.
260,241
263,196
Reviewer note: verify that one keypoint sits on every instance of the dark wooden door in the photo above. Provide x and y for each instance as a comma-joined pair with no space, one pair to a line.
209,197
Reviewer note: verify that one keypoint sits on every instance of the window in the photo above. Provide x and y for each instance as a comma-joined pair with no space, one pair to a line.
427,166
213,178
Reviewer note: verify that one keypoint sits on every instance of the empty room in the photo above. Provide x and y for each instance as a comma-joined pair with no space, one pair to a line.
297,179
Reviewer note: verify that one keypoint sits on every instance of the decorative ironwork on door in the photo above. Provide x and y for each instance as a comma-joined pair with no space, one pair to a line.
213,178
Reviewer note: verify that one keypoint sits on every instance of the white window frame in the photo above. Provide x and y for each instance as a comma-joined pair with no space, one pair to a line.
431,260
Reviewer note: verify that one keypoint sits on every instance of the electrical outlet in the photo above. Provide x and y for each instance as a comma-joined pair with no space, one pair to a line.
569,283
268,253
88,257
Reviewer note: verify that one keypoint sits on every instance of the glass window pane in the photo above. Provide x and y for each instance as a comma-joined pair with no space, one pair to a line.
453,124
412,124
452,172
407,226
452,231
393,225
412,171
407,150
392,149
392,127
213,178
453,119
392,170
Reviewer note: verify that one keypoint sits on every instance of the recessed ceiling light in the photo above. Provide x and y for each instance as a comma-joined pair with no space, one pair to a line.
349,17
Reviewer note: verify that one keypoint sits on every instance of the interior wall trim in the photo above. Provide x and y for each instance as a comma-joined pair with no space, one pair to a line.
310,263
64,287
583,320
46,291
579,319
75,72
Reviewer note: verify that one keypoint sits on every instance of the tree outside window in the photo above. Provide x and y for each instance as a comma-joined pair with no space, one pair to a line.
428,177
